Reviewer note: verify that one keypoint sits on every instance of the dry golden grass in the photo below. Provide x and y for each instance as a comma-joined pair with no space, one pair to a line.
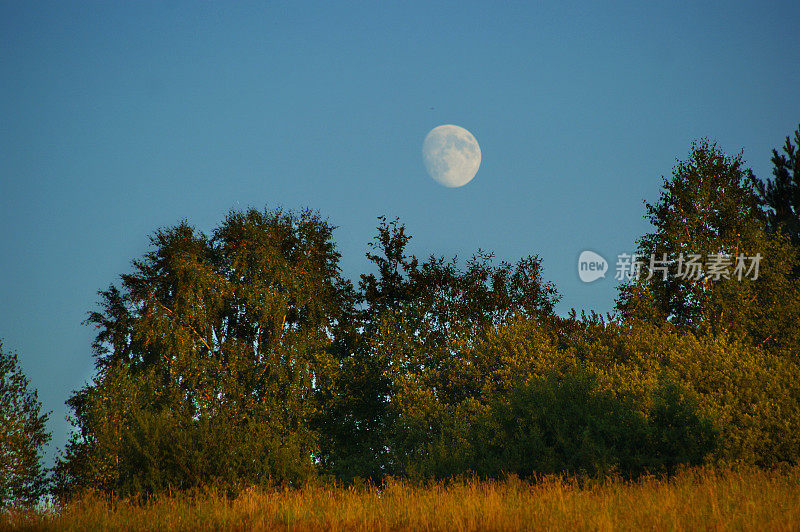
698,499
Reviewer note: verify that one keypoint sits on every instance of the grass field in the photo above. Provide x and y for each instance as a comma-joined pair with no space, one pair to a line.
694,499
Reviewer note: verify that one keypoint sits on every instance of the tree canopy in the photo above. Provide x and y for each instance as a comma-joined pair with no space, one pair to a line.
244,357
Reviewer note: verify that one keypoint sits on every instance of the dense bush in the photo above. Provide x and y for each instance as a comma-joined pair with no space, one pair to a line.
567,424
750,394
544,409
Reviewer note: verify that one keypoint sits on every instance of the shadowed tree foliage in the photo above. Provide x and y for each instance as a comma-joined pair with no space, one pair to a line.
209,355
566,423
403,365
781,194
23,436
357,423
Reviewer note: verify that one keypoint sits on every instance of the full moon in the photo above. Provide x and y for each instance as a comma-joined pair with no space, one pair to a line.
451,155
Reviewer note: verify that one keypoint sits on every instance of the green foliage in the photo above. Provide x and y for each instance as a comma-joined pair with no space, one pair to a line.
544,408
22,436
734,343
749,394
244,358
676,398
210,357
710,206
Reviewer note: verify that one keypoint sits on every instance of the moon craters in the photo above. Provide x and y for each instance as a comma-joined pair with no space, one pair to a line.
451,155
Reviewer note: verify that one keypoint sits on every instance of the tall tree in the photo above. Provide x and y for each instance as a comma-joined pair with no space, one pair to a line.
356,426
209,356
706,223
22,436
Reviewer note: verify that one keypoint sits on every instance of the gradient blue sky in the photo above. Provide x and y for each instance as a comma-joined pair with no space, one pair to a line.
118,118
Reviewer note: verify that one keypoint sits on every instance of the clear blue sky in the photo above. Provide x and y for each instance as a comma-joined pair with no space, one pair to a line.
118,118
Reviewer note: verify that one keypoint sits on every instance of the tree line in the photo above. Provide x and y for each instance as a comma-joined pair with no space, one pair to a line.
244,356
